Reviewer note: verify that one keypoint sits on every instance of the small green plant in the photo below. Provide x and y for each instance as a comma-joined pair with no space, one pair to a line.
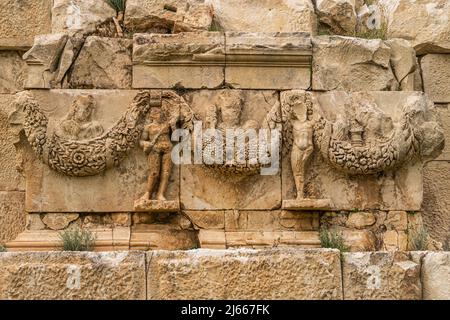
2,248
332,240
118,5
76,239
215,26
418,239
380,33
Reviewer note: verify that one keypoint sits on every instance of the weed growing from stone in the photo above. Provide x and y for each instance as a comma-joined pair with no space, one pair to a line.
332,240
76,239
118,5
2,248
418,239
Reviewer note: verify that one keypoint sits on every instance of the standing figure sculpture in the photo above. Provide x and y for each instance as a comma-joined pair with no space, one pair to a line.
297,111
303,147
156,143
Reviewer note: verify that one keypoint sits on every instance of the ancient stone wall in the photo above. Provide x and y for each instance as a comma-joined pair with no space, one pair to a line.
368,78
226,274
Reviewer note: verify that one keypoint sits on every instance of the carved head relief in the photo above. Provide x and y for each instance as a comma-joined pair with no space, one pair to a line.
230,104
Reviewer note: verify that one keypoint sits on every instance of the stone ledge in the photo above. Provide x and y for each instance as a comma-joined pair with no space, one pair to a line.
283,273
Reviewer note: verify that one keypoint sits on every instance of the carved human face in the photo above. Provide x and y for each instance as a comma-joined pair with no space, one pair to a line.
83,110
299,108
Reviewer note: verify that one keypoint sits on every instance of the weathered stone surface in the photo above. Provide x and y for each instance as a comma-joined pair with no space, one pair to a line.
245,274
59,221
204,188
50,191
68,275
349,192
397,220
394,240
404,62
103,63
10,179
358,240
268,60
43,60
156,16
421,22
34,222
436,216
20,21
12,214
381,275
360,220
338,15
436,76
208,219
436,276
265,16
11,71
352,64
72,16
189,60
444,117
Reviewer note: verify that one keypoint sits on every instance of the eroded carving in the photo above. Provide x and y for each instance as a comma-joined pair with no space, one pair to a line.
367,141
69,148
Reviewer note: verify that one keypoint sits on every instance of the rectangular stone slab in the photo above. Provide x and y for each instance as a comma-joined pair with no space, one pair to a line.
397,189
190,60
268,60
72,276
245,274
116,189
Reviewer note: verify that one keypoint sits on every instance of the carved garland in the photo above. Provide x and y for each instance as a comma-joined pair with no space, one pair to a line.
88,157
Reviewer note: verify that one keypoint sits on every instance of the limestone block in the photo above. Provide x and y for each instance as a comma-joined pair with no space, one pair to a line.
436,276
404,62
436,216
436,76
268,60
212,239
162,237
172,16
397,220
359,240
70,16
351,64
381,276
117,188
394,240
43,60
360,220
12,71
422,22
10,179
20,21
444,118
207,219
265,16
203,187
338,15
245,274
103,63
189,60
392,189
69,275
59,221
270,239
12,214
34,222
